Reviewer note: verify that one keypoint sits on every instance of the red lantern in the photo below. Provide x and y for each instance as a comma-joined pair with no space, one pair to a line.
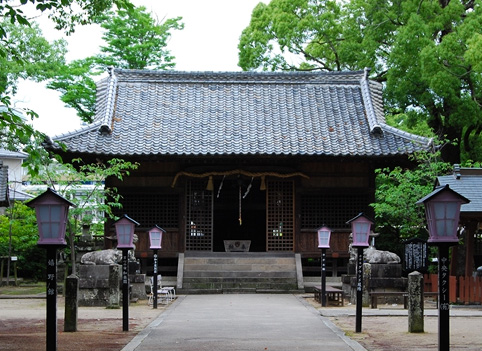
52,211
360,229
155,237
324,234
124,228
442,209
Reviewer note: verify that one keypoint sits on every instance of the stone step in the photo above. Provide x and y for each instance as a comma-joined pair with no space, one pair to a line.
239,273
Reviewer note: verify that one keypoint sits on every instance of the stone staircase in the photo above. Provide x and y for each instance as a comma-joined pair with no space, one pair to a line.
238,272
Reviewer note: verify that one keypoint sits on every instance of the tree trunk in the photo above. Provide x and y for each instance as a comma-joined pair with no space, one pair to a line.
450,152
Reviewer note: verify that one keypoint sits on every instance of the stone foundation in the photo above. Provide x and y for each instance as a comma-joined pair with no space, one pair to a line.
101,285
377,277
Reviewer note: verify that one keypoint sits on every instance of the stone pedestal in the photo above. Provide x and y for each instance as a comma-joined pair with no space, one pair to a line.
99,285
381,277
138,286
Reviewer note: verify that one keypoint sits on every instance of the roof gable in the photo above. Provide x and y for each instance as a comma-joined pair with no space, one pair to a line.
240,113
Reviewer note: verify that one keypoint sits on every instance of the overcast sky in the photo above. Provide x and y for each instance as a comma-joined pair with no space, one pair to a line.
208,42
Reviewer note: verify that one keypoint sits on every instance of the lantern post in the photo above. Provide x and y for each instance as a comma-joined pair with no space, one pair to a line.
360,229
51,211
155,239
124,228
442,211
324,234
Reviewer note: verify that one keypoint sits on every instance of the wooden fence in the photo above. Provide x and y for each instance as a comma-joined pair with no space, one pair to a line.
463,290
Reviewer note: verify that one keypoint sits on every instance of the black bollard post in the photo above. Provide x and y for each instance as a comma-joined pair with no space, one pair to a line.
125,289
155,282
359,290
51,298
443,302
323,277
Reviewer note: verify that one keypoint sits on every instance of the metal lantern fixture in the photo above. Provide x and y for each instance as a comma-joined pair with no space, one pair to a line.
324,234
155,237
442,209
51,210
360,228
124,228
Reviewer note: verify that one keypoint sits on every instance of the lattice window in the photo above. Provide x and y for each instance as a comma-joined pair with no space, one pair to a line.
332,210
150,209
280,216
199,219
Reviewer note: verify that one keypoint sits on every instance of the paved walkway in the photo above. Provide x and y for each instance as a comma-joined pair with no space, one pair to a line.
241,322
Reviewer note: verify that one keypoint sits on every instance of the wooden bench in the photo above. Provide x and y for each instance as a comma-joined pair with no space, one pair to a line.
332,294
375,294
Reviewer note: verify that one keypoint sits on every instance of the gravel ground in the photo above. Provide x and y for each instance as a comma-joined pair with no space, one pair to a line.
22,327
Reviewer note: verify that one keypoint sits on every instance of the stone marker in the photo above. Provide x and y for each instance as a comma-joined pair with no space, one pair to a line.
415,302
114,290
71,303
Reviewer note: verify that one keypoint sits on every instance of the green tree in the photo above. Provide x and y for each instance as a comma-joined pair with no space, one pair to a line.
135,40
426,52
18,237
293,35
75,82
15,131
30,56
83,185
396,215
431,71
66,14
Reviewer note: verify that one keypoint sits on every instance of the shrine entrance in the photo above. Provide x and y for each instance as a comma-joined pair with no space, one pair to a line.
243,211
240,214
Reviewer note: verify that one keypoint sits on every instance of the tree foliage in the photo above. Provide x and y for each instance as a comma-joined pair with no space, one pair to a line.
75,82
66,14
397,190
427,53
84,185
134,40
29,56
23,53
19,236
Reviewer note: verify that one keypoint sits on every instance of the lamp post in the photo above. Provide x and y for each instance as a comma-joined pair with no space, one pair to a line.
124,228
155,239
51,211
360,229
324,234
442,210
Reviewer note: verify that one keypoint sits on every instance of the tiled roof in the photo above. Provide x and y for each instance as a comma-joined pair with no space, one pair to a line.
467,185
12,154
240,113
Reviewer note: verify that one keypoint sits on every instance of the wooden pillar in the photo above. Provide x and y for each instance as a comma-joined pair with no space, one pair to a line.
471,228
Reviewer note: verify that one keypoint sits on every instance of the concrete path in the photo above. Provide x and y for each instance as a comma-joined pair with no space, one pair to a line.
241,322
